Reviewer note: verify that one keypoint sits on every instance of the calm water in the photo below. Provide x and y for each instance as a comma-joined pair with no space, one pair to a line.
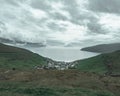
63,54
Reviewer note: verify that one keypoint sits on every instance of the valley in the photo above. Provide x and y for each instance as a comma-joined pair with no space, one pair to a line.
28,74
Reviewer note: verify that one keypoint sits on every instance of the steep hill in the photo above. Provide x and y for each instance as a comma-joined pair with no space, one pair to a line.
13,57
108,63
103,48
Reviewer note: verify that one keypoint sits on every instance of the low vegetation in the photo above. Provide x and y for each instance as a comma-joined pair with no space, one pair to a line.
57,83
18,77
106,63
12,57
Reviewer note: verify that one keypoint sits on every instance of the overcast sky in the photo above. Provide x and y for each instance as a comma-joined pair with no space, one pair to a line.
85,22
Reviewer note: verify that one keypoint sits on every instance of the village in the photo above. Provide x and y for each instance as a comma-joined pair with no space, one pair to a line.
57,65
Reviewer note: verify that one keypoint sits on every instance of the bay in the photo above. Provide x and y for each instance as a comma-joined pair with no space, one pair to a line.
66,54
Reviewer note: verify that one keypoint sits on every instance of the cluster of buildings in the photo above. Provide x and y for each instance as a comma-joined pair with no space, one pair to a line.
52,65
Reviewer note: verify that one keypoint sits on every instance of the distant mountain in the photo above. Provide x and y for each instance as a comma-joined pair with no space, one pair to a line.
103,48
3,40
22,43
30,44
13,57
73,44
108,63
54,43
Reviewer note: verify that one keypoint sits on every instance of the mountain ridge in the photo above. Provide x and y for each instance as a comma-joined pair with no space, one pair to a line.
22,43
103,48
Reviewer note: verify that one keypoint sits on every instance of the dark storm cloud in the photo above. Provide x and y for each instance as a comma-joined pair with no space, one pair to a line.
109,6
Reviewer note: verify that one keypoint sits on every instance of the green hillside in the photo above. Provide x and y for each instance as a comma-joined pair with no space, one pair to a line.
12,57
105,63
71,82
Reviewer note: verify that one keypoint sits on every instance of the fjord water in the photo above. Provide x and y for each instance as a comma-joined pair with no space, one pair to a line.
66,54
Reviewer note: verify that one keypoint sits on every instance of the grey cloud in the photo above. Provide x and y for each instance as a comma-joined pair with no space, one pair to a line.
95,27
2,27
56,27
25,22
71,7
82,17
40,4
58,16
109,6
78,17
12,2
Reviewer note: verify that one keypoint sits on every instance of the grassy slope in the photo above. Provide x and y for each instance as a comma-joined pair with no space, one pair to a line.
12,57
57,83
100,63
52,92
48,82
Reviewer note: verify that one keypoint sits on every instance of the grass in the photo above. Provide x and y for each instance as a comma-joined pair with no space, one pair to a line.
53,92
10,90
20,61
99,64
94,64
57,83
27,81
12,57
